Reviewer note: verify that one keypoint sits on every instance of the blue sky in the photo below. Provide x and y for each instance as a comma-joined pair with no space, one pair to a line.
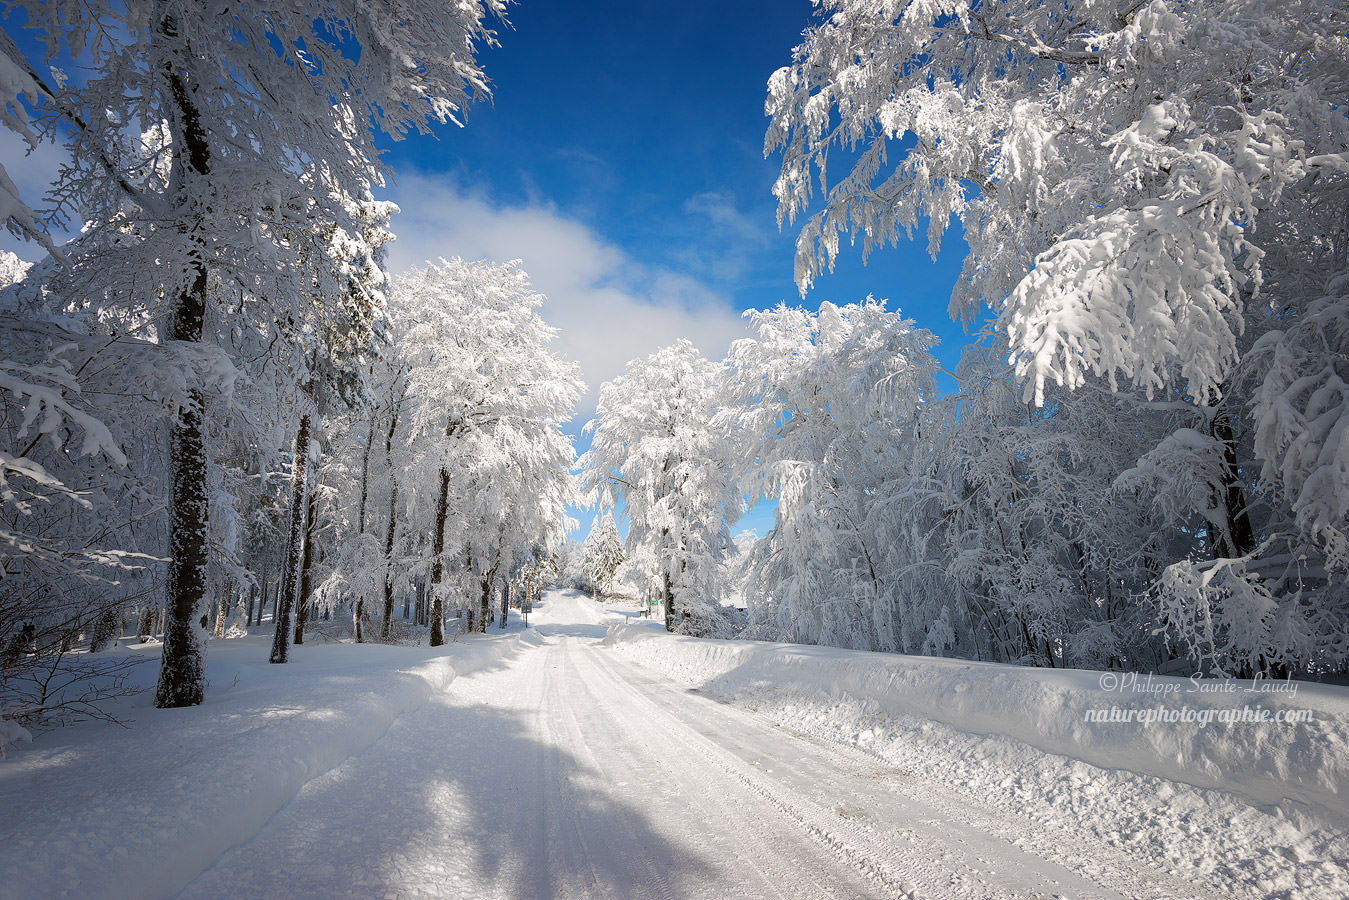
621,159
637,128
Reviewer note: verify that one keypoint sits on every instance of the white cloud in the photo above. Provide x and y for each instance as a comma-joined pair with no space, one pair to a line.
609,307
719,207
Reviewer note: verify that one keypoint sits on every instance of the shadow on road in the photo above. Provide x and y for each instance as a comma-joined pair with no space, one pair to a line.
458,800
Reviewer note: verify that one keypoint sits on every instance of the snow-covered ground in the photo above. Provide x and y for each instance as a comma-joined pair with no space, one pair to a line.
560,763
1247,808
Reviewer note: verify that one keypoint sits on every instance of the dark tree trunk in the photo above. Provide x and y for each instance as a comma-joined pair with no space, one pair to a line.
667,595
485,606
306,571
1240,537
290,574
388,564
182,670
391,529
365,475
506,591
358,609
438,562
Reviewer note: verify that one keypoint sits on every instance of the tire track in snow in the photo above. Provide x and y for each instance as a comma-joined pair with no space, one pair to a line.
719,816
645,871
810,821
750,852
963,833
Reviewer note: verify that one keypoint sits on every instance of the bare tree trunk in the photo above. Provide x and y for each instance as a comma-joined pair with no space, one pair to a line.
388,563
182,670
306,571
392,526
667,596
182,677
1240,537
290,575
358,609
506,591
222,609
484,607
437,560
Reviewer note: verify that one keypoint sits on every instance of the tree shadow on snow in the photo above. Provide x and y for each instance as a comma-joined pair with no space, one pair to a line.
459,801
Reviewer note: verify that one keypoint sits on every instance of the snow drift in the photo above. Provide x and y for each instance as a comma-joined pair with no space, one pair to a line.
1299,767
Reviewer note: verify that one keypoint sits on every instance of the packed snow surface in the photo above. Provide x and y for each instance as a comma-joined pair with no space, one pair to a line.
556,762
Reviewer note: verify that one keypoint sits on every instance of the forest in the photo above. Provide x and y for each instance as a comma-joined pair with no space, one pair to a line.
1145,464
219,404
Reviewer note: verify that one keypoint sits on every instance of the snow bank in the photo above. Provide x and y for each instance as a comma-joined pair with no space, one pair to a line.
137,813
1301,767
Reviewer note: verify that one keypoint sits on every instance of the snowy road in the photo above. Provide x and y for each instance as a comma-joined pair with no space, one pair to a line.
566,772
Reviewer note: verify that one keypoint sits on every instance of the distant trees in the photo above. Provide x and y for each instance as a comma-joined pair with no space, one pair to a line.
601,555
487,471
654,448
451,480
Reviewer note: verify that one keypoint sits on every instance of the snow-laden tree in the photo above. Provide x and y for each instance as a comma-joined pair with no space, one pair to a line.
1109,163
1154,198
332,345
1301,410
484,403
1279,602
20,91
266,119
656,458
601,554
1040,546
514,484
827,408
81,537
